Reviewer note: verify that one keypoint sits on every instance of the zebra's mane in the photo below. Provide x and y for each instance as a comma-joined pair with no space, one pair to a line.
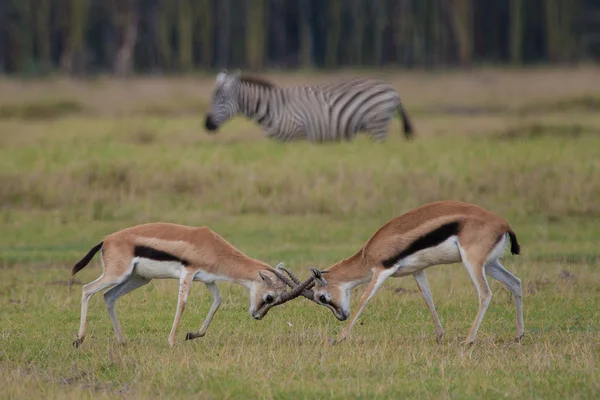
255,80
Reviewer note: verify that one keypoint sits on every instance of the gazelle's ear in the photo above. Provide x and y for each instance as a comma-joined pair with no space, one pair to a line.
280,265
318,276
266,279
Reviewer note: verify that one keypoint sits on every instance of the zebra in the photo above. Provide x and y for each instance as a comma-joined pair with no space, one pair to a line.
324,112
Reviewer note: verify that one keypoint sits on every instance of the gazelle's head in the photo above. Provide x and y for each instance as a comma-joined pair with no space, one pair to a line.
224,102
266,290
331,294
272,291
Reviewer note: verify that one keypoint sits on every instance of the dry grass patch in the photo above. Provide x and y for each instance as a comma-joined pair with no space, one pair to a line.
40,109
67,182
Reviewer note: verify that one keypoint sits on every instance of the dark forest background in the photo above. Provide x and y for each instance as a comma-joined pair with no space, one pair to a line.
172,36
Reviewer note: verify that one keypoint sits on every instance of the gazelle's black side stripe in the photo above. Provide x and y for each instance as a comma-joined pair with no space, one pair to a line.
430,239
157,255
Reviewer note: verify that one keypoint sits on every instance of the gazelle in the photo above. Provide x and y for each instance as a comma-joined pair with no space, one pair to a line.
442,232
134,256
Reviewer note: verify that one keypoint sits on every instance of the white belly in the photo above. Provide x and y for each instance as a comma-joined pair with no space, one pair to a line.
444,253
152,269
204,276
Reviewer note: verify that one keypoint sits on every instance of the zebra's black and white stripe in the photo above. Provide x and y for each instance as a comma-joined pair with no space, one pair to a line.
326,112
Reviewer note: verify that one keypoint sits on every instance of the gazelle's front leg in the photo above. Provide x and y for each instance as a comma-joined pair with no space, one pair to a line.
378,278
213,309
423,285
472,259
185,281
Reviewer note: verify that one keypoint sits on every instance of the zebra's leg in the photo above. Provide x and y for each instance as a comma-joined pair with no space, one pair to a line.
378,128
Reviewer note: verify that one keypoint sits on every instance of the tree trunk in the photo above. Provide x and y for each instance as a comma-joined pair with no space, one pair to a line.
334,31
566,12
205,20
516,32
74,40
378,30
43,33
255,33
279,32
461,17
558,31
3,23
25,36
224,22
185,35
165,24
358,15
305,34
436,24
416,17
126,20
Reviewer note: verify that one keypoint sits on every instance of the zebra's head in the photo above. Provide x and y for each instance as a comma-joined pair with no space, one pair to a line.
224,103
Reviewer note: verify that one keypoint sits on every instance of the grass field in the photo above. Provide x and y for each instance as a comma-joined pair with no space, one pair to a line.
81,159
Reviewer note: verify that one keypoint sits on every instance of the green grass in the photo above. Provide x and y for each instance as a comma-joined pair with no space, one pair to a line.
66,182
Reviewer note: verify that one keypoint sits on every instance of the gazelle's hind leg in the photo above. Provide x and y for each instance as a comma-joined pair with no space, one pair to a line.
117,267
86,294
474,261
512,283
110,297
211,313
423,285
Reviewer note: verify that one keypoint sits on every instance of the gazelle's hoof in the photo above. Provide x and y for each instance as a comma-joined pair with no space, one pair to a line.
338,340
194,335
77,343
519,338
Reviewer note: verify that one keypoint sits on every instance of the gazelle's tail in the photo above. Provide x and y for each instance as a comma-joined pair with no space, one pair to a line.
83,262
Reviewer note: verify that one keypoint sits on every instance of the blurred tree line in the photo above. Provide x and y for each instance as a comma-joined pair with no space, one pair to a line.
167,36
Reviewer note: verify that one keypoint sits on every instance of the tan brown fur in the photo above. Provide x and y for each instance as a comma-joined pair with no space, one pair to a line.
200,246
479,233
398,233
191,251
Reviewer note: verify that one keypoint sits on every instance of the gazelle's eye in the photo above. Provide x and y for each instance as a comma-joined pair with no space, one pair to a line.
269,299
323,298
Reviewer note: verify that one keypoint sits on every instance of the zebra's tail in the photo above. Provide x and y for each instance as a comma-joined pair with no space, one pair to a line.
406,124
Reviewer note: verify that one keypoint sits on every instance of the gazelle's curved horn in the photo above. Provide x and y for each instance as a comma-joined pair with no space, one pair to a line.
297,291
309,294
284,278
287,296
291,275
